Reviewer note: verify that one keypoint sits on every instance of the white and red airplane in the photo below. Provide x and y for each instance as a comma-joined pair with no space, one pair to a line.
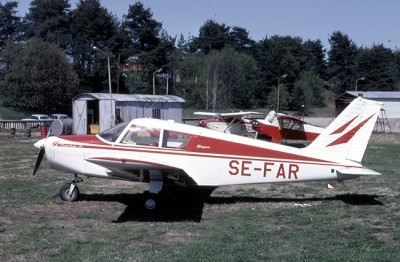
278,126
167,154
238,123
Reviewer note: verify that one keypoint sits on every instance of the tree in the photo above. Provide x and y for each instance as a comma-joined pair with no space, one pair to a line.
142,29
10,24
39,78
222,79
341,61
277,56
284,97
48,20
92,25
378,66
308,91
183,46
312,57
212,36
147,42
239,39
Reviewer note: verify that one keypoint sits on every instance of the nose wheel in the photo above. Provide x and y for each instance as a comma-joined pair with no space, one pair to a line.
69,191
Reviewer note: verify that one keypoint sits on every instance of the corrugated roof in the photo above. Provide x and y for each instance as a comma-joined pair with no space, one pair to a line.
130,97
382,95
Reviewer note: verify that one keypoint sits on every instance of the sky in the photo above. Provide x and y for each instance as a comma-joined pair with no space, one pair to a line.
366,22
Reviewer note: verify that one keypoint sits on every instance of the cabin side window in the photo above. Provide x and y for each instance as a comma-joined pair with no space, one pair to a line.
173,139
139,135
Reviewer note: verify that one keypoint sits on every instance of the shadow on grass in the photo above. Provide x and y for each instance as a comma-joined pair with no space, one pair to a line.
175,209
352,199
172,209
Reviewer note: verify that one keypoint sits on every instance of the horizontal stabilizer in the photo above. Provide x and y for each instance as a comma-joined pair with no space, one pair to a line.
358,172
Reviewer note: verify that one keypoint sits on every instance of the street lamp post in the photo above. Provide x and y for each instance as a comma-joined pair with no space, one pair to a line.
360,79
277,102
109,84
154,80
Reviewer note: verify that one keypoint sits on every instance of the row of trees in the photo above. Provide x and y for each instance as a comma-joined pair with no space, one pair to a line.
47,58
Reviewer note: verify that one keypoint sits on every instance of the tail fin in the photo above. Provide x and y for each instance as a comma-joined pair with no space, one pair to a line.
347,136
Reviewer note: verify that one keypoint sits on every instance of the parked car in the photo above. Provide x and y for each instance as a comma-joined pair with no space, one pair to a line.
36,117
59,116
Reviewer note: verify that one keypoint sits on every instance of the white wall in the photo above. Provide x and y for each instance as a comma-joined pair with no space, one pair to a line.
392,109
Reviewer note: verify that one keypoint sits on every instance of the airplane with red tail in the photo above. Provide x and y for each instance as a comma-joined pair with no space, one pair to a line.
170,155
278,126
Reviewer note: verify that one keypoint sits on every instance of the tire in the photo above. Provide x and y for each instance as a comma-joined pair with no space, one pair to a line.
64,193
151,202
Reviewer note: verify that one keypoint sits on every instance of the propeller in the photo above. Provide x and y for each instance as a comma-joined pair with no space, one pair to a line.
38,161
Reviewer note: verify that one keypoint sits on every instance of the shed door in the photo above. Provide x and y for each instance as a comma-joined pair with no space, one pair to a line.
79,116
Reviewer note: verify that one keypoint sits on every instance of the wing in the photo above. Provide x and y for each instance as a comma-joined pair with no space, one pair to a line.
128,167
205,113
241,113
289,117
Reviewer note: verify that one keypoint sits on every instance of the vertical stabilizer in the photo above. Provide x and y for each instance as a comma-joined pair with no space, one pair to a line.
347,136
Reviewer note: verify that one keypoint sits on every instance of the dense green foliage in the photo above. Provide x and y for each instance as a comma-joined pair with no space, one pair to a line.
38,77
221,67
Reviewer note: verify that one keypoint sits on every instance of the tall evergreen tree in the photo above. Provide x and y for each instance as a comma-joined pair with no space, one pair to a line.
239,39
48,20
92,25
142,29
378,66
147,42
212,36
313,57
341,62
10,23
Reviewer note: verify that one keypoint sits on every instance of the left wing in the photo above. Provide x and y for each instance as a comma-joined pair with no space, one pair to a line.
126,166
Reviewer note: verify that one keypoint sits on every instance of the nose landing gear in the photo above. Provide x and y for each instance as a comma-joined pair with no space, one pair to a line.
69,191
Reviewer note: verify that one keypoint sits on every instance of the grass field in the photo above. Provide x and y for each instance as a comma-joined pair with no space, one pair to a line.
359,221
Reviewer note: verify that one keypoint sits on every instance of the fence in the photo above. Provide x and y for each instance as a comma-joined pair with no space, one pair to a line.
23,124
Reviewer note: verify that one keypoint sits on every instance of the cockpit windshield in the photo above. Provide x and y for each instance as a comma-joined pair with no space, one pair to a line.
114,132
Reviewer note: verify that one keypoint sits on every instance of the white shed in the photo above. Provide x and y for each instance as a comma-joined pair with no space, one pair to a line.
96,112
390,100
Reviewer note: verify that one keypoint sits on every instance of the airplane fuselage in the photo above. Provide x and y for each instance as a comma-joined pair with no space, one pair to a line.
206,160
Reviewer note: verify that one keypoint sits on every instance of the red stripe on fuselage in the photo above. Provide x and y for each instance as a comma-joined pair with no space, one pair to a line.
89,139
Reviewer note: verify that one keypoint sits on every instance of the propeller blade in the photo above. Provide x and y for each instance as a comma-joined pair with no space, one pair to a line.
38,161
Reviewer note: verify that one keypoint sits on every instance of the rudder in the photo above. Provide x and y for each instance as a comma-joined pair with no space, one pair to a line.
348,135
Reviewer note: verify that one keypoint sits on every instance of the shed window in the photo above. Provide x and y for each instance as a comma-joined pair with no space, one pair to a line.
157,113
174,139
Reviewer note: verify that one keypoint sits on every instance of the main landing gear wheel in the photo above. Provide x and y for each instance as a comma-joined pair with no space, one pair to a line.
69,192
151,201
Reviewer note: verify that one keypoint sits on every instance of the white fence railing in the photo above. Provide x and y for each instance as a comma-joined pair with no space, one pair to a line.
23,124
